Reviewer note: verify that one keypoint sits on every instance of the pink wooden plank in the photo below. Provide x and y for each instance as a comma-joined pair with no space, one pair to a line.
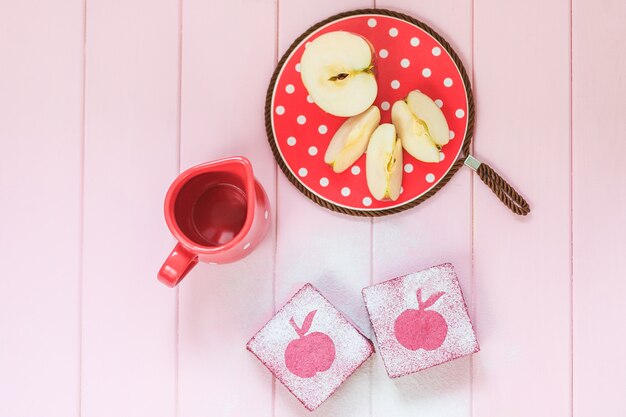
315,245
40,176
522,265
437,231
228,53
599,199
130,158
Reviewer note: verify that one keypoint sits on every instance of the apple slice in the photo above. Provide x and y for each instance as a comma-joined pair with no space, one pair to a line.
383,164
421,126
350,140
413,133
426,110
336,69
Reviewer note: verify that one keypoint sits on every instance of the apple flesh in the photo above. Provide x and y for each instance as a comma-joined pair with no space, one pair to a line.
383,164
421,126
337,71
421,328
426,110
310,353
350,140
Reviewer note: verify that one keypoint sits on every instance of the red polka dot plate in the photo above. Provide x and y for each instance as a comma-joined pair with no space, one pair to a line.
408,56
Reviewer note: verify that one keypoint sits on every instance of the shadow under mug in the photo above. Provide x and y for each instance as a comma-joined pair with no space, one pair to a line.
218,212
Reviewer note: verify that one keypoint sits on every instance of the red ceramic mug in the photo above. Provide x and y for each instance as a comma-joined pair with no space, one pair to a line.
218,212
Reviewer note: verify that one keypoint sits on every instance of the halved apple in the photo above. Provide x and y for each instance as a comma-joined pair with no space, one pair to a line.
336,69
383,164
350,140
421,126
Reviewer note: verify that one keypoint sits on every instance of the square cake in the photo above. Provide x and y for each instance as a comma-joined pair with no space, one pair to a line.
310,347
420,320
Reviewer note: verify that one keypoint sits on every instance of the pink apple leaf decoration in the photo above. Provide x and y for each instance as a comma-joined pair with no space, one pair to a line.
415,329
306,324
430,301
309,354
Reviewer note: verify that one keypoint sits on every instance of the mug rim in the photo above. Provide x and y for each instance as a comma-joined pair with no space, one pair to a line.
183,178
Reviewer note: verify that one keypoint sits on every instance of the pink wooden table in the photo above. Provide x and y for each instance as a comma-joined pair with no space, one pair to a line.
103,102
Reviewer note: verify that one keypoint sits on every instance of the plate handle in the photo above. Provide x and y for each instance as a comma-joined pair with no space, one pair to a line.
502,189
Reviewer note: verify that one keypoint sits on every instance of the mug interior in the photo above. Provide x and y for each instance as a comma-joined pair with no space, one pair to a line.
211,208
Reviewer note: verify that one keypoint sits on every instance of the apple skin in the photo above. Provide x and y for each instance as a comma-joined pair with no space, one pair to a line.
310,353
420,328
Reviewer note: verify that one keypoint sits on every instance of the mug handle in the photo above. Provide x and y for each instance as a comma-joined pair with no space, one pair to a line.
177,265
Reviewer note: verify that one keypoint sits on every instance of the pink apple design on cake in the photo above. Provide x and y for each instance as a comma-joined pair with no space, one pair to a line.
420,320
421,329
312,359
309,354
